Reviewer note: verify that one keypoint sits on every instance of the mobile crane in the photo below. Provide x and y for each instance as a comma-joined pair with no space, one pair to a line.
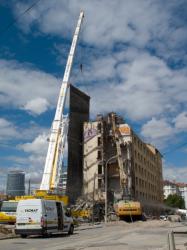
125,206
59,130
50,179
60,124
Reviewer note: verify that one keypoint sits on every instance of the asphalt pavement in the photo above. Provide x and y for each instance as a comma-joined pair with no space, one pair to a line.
113,236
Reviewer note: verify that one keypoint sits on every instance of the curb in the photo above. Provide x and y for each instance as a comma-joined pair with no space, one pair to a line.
9,237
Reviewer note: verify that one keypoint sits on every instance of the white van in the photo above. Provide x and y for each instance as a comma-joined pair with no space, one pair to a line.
42,217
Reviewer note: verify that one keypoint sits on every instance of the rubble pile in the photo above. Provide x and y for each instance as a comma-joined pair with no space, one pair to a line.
6,230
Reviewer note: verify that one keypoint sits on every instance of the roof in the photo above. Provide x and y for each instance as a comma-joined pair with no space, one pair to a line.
177,184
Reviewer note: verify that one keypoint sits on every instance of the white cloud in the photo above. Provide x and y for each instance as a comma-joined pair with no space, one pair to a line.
157,132
37,106
37,152
7,130
10,131
136,84
22,86
33,162
178,174
146,23
38,146
129,21
156,129
181,121
131,81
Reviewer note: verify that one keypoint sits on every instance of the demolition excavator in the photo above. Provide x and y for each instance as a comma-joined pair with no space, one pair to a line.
124,206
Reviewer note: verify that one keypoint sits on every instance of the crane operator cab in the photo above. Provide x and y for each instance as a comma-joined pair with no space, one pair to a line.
42,217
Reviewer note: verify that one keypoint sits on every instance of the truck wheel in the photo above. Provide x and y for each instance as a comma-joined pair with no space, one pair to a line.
23,236
45,235
71,229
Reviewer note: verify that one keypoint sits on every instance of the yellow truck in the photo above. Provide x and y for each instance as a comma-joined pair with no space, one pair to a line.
8,212
8,208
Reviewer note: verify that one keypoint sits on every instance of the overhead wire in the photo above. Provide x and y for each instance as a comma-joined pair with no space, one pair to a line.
174,149
15,20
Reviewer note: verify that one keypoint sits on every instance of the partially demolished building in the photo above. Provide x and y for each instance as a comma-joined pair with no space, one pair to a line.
144,172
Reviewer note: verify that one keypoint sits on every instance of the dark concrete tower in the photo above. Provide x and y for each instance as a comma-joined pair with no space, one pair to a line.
78,114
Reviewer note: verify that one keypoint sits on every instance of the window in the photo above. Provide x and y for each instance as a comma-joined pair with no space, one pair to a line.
99,141
138,168
136,180
9,206
138,156
135,140
135,166
99,155
99,169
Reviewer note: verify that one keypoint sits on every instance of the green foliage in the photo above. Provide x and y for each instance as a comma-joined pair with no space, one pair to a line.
174,200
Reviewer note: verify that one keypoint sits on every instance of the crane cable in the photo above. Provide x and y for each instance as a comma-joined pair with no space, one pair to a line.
14,21
174,149
81,65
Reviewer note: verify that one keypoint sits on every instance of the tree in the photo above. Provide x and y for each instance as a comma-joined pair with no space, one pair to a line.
174,200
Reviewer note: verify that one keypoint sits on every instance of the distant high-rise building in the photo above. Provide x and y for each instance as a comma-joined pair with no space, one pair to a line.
15,183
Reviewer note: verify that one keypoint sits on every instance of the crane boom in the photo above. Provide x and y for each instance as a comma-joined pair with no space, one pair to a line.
59,126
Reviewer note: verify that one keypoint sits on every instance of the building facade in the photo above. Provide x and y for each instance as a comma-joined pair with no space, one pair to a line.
170,188
142,163
178,188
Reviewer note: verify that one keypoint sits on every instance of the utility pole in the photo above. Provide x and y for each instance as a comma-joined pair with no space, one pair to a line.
29,187
106,185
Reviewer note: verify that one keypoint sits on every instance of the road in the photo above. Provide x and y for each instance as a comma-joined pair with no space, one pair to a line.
117,236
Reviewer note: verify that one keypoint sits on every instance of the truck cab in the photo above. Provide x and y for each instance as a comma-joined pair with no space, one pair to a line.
8,212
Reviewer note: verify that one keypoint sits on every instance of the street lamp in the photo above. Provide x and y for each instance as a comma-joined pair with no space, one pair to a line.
106,184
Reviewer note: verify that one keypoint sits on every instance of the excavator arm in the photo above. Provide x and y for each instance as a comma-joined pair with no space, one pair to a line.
122,174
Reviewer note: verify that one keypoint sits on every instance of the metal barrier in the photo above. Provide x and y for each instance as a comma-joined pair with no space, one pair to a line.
171,240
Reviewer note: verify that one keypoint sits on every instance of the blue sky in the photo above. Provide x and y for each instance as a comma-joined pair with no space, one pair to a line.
134,63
